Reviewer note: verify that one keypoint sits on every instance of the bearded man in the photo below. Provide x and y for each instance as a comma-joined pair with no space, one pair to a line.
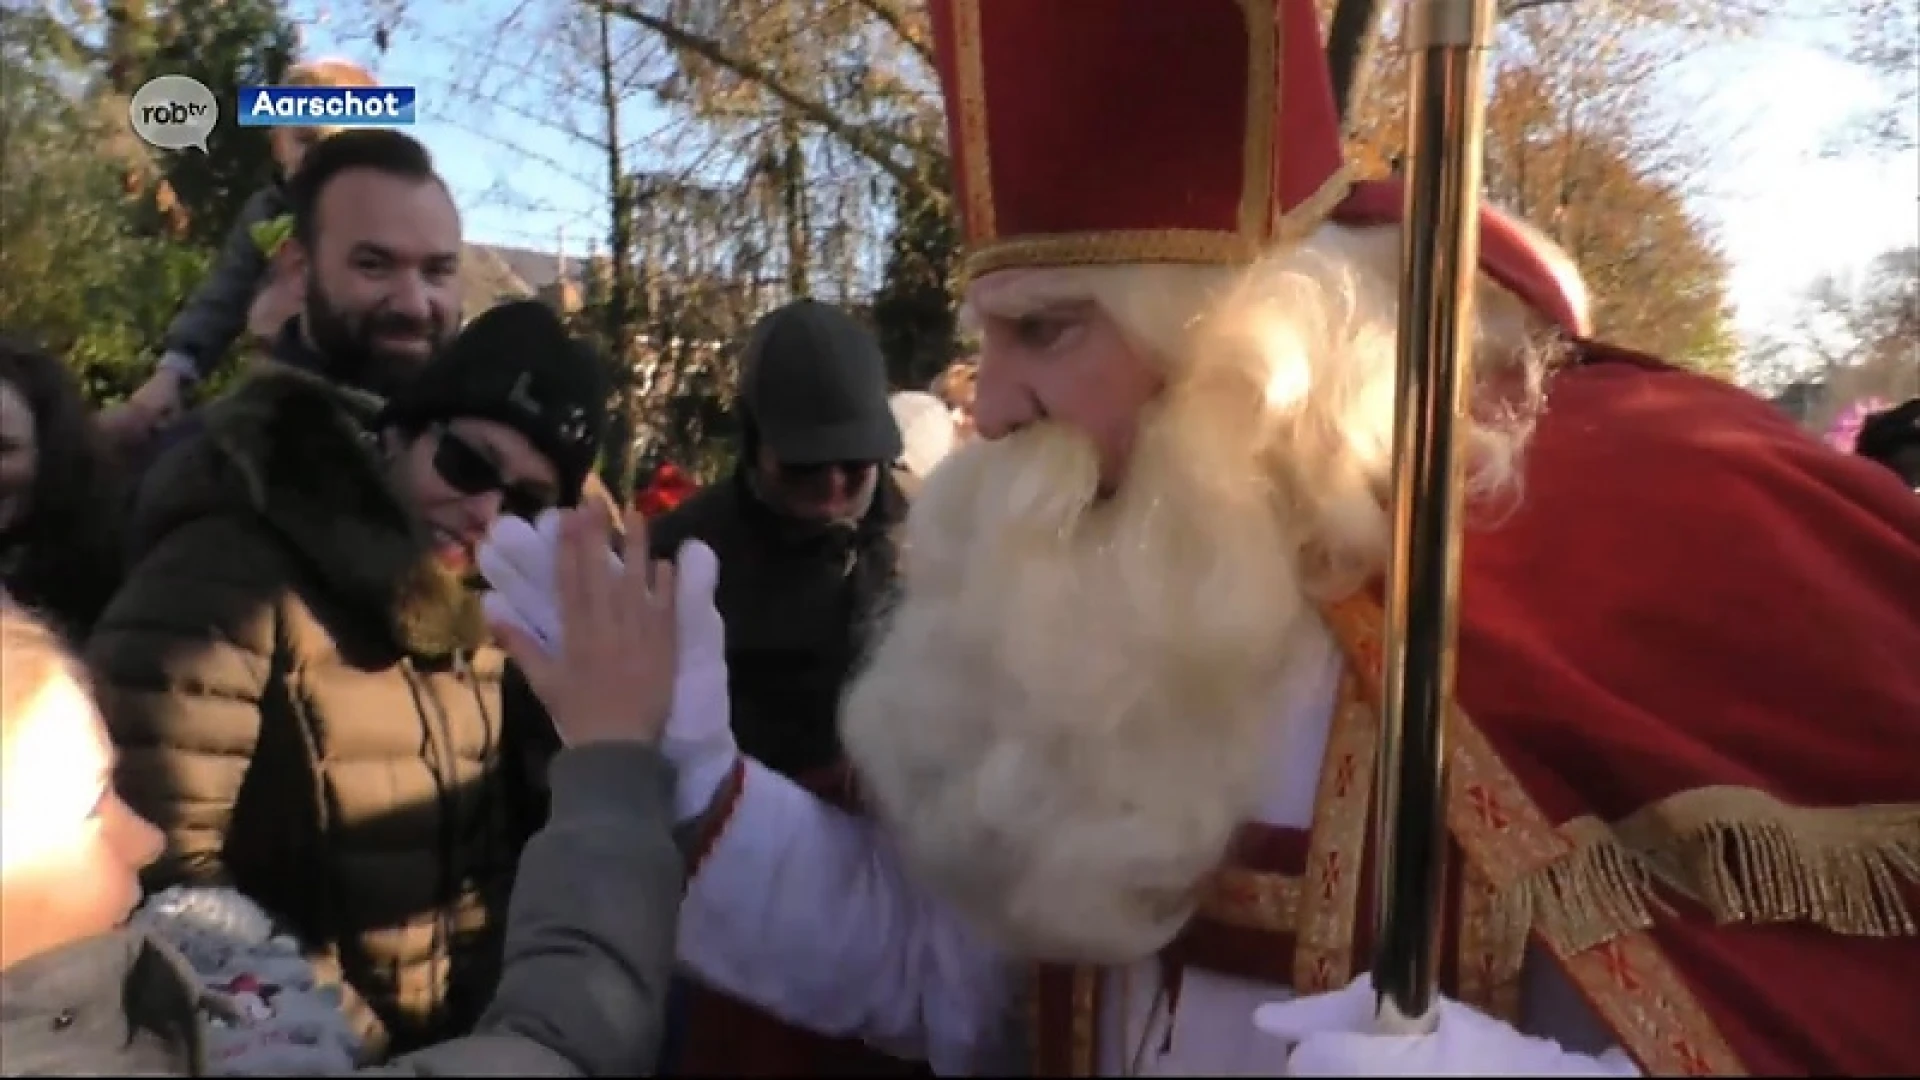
375,255
1117,742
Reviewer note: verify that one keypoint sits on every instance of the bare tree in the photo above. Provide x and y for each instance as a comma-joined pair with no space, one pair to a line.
702,284
1883,37
1854,336
617,317
856,71
1577,146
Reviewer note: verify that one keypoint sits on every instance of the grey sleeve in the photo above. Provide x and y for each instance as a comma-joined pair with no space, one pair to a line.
590,931
213,317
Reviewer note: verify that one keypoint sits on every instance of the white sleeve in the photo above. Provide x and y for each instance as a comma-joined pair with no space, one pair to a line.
802,910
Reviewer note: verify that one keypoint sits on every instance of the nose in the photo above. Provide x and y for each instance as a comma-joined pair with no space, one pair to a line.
410,297
481,511
844,482
1002,403
152,842
139,840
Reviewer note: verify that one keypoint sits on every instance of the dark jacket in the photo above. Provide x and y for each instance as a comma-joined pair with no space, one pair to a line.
289,348
216,313
798,602
306,704
589,948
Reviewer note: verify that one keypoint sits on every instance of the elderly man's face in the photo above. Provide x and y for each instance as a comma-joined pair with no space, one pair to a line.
1065,363
382,277
72,852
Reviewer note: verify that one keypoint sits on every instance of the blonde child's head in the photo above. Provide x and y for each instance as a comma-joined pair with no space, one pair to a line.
290,144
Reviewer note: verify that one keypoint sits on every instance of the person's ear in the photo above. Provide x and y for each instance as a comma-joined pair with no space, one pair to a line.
292,260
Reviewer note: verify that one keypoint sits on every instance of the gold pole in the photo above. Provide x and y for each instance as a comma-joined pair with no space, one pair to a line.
1448,40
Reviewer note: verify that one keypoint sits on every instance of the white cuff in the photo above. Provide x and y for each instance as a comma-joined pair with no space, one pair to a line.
697,781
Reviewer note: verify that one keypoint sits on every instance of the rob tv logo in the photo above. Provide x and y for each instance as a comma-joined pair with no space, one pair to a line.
326,106
174,112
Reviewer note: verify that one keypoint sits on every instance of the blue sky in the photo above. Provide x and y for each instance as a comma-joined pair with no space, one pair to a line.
1785,209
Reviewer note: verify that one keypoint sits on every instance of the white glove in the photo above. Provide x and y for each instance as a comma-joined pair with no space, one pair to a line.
699,736
518,562
517,559
1334,1035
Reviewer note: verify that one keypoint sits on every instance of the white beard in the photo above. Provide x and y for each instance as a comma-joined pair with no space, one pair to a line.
1068,714
1066,718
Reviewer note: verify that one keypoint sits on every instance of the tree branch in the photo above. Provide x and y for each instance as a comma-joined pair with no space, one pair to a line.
897,23
864,141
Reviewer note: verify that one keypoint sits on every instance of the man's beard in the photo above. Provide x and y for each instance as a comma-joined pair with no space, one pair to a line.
1068,713
348,341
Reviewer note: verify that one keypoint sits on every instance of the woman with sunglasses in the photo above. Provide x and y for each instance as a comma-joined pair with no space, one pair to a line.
297,674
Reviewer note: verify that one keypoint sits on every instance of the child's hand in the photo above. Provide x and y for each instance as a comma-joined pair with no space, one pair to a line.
278,300
132,423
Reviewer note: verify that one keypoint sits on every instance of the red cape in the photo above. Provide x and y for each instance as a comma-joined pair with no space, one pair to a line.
1693,596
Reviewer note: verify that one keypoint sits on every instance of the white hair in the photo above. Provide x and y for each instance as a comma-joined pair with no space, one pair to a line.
1307,336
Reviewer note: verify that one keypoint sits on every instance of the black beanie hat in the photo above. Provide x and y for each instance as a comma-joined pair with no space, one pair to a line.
515,364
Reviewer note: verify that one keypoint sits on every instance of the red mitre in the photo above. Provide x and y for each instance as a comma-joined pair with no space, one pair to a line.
1125,131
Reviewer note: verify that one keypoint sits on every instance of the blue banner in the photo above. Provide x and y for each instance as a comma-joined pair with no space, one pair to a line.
326,106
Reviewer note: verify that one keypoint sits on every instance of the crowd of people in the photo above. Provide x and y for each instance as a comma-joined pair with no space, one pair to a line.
1021,724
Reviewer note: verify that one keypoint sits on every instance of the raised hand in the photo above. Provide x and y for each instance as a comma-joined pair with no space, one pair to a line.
600,647
699,739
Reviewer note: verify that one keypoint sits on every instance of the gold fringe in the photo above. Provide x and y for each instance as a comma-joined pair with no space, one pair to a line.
1742,854
1592,895
1750,858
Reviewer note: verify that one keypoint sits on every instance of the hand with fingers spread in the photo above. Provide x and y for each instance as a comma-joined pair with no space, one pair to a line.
602,655
699,738
518,561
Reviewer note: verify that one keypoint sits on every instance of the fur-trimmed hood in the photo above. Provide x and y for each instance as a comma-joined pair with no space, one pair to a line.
300,456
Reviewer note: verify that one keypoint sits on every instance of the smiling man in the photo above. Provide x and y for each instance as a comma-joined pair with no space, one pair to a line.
376,238
376,250
299,679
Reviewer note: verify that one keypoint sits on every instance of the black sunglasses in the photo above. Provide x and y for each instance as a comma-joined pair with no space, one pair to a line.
471,472
817,472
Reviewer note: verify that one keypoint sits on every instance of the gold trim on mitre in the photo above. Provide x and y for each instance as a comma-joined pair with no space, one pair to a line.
1257,141
970,78
1262,222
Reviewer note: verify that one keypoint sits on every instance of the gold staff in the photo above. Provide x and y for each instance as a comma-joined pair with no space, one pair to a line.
1446,122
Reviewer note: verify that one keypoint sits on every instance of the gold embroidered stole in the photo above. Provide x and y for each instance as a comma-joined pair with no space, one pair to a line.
1504,850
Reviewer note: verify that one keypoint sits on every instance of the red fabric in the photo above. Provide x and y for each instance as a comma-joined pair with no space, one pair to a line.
1106,116
1507,255
728,1037
668,488
1694,593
